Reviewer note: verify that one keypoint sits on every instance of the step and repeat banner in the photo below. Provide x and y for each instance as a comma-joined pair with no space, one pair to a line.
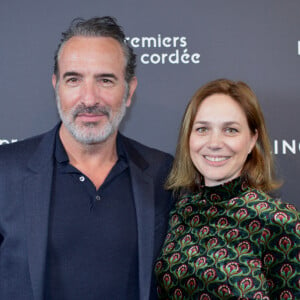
180,46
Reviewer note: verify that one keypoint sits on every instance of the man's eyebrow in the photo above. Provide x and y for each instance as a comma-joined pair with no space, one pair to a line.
107,75
71,73
101,75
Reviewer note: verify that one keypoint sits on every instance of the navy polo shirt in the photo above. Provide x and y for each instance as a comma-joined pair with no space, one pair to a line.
92,244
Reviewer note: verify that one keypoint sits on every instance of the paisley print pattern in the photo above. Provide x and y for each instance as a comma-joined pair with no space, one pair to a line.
230,242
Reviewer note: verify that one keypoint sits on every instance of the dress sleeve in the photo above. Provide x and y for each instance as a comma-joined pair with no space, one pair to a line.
281,256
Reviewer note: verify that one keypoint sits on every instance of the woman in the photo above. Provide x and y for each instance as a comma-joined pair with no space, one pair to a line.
227,238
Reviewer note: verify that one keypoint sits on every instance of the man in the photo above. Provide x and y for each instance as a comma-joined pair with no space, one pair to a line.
83,211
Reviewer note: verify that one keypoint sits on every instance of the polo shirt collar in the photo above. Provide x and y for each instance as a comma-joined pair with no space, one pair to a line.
61,156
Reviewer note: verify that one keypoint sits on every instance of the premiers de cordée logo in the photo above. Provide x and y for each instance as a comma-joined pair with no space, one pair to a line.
160,49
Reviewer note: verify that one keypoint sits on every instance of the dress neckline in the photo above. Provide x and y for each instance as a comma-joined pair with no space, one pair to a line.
225,191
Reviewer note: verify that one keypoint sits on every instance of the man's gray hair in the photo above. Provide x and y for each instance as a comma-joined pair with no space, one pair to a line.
98,27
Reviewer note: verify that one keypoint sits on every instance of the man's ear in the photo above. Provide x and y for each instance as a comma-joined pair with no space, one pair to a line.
54,81
131,89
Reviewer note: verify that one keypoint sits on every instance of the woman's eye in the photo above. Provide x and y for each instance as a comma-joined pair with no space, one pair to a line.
231,130
202,129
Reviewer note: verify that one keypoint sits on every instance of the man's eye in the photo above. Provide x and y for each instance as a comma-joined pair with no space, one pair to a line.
72,80
106,82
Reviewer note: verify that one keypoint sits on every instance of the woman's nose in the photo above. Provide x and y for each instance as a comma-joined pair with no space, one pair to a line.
215,140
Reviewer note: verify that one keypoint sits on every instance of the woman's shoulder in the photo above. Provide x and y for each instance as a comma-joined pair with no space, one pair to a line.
274,211
276,203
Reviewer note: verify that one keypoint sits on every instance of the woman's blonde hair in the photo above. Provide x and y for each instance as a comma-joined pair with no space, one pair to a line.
259,166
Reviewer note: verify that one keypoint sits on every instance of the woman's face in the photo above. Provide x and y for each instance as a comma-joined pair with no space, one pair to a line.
220,140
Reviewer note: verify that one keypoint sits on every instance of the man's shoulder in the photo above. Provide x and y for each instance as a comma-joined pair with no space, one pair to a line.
146,151
22,150
22,147
155,162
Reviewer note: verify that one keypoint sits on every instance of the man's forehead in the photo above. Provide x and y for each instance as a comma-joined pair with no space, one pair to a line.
101,44
104,50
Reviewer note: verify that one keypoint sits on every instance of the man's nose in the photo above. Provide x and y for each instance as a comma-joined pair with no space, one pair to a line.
90,94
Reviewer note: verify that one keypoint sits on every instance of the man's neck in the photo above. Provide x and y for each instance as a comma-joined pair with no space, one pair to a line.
93,160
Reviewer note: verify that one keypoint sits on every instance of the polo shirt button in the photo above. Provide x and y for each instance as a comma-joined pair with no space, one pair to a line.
81,178
98,197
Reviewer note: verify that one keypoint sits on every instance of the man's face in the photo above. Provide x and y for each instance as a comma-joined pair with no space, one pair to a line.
92,94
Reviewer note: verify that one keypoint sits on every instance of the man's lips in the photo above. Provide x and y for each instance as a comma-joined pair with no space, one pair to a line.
90,116
90,111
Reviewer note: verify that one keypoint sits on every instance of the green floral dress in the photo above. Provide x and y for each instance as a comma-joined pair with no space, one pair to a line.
230,242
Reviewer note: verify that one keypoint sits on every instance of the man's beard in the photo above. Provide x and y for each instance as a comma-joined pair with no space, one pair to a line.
87,132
